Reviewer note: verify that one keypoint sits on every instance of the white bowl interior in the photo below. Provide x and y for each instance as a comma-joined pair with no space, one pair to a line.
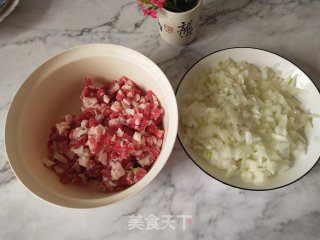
310,100
52,91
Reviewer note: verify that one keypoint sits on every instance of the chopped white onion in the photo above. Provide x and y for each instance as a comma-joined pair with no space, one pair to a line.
244,119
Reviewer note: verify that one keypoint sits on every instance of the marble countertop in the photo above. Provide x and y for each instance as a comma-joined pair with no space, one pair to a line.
37,30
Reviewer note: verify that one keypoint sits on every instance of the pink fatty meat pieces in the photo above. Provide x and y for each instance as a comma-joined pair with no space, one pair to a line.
115,140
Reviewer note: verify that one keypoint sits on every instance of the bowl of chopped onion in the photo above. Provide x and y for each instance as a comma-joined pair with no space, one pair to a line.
91,126
249,118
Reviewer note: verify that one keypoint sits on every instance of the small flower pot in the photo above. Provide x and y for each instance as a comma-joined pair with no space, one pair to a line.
179,28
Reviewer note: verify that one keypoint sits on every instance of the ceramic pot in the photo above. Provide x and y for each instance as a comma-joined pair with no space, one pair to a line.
179,28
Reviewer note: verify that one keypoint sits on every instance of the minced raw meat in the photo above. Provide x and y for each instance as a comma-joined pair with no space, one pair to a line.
115,140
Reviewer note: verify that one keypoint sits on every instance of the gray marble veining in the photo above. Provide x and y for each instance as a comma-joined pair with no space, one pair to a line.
37,30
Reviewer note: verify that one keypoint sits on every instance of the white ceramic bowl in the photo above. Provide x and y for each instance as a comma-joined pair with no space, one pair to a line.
52,91
310,101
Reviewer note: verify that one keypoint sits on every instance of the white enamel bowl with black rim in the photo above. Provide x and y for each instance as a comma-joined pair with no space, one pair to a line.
310,102
53,91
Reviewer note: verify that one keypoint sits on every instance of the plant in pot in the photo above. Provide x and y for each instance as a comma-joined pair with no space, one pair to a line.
178,19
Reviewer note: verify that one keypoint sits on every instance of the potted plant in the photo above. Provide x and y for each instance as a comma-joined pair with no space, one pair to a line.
178,19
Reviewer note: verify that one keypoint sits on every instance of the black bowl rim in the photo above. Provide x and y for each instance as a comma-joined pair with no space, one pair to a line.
228,184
